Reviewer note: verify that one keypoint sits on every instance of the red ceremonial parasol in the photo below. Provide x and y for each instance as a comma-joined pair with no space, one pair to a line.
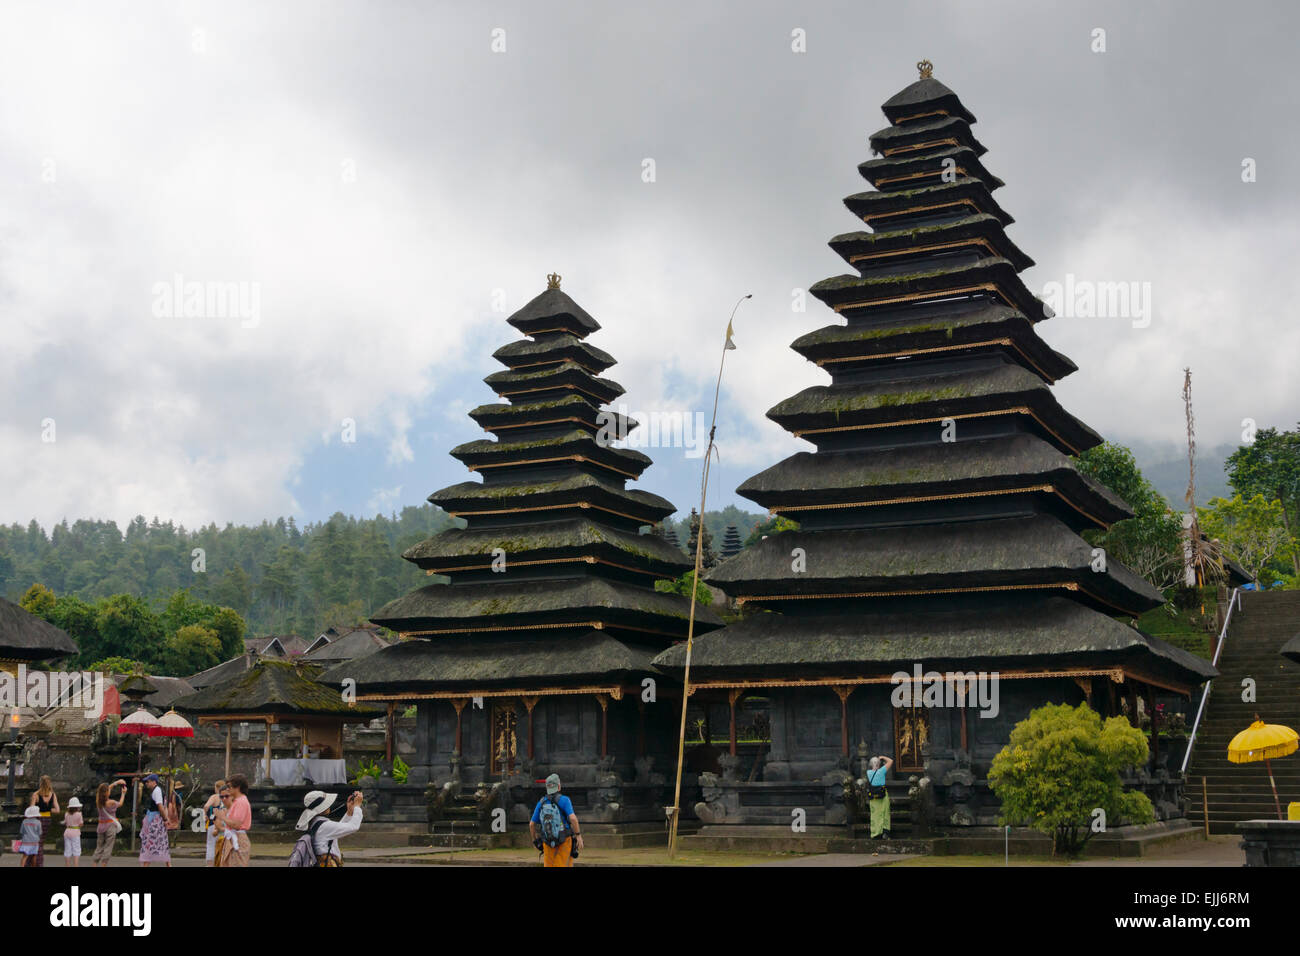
171,724
141,722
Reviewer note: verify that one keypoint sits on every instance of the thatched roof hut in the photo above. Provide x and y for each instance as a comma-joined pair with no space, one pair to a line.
26,637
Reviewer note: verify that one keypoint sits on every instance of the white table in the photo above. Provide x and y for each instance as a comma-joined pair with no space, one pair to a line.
283,772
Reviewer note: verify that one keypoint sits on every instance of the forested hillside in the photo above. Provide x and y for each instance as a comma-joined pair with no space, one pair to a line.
280,578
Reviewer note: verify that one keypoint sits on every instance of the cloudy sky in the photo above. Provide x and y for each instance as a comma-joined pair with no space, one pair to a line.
387,187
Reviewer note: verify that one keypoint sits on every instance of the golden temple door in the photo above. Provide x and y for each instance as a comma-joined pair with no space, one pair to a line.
911,733
505,742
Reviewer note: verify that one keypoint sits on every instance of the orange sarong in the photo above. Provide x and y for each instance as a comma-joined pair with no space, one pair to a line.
557,855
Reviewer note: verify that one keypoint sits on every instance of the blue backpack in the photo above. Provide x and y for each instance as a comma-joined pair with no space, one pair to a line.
555,828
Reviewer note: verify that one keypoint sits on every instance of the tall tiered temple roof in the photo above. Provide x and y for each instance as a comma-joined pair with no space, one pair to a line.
551,581
731,543
940,511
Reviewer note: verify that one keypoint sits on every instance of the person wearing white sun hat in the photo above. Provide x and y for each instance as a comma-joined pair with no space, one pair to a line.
326,833
29,836
72,822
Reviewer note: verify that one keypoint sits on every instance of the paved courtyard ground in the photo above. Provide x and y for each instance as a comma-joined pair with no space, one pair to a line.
1218,851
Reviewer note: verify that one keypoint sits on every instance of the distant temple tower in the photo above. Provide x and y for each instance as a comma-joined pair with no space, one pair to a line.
939,512
530,660
731,543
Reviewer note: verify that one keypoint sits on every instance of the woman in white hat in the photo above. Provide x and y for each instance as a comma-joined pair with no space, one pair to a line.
325,833
72,821
29,836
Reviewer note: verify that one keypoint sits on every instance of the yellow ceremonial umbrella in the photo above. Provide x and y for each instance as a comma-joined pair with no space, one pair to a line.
1261,741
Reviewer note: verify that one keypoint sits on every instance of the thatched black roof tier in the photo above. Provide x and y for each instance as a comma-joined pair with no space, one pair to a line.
930,331
274,687
26,637
980,233
355,644
509,603
1005,553
567,378
943,130
921,100
219,673
908,170
966,468
1291,649
484,662
577,445
508,420
552,311
576,492
574,538
1038,633
963,196
958,393
935,282
559,347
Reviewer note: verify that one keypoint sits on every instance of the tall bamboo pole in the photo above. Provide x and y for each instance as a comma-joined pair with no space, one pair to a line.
676,808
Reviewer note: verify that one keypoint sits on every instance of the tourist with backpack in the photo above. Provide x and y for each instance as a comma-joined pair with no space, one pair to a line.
878,796
554,826
319,845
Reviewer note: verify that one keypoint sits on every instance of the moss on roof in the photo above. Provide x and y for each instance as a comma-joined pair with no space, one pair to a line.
274,687
1041,630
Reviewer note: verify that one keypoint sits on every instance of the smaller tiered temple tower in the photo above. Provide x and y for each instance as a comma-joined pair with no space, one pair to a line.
531,658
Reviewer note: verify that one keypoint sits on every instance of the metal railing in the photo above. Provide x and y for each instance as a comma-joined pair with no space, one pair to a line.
1234,602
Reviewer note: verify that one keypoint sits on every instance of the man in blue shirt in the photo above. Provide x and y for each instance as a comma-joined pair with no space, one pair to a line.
557,837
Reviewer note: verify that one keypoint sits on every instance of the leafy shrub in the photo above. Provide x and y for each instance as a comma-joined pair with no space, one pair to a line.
1060,766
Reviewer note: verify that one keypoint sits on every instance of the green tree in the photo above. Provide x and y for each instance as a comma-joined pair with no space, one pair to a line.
1061,765
1151,542
191,649
774,525
126,627
230,629
115,665
1270,466
682,586
1251,532
38,600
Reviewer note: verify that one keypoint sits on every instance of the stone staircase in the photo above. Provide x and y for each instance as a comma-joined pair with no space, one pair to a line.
1263,623
761,835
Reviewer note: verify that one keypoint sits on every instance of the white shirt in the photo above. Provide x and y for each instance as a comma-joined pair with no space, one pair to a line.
330,831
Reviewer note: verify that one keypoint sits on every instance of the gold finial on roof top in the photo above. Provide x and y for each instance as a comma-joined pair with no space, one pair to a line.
926,68
553,280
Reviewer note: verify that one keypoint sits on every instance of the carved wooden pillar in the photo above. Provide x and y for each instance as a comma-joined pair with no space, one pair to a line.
842,691
962,713
529,704
733,695
1130,696
388,732
603,700
459,703
640,726
1149,698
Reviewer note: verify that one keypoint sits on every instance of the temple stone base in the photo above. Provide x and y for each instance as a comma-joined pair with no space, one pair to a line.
1270,842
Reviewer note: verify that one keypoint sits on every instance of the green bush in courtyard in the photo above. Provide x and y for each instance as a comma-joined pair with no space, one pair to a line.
1060,766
